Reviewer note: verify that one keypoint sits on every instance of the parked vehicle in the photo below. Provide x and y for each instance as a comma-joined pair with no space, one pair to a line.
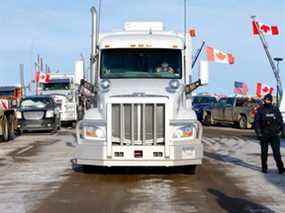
9,99
8,123
143,115
38,113
238,111
201,103
64,91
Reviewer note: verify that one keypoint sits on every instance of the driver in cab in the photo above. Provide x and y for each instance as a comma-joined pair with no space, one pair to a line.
164,67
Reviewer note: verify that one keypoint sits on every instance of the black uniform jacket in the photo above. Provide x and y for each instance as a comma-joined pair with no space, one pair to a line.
268,121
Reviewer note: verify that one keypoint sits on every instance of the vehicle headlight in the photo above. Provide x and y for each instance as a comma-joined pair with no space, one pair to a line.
49,114
174,84
19,115
69,107
92,132
188,131
69,98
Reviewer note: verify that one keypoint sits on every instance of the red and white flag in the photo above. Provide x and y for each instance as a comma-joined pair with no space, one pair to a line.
219,56
4,104
265,29
263,89
42,77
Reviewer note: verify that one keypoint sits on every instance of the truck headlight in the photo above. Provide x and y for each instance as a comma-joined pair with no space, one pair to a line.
49,114
19,115
91,131
69,107
188,131
70,98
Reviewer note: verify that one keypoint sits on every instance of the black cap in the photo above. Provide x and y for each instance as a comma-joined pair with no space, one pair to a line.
268,97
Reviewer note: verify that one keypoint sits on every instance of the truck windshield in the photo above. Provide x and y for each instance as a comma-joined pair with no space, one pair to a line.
141,63
59,84
204,100
35,102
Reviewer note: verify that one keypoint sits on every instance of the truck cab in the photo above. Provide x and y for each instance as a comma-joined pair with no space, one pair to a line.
62,88
10,97
143,117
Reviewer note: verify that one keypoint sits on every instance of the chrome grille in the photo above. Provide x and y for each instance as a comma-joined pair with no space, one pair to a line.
138,124
33,115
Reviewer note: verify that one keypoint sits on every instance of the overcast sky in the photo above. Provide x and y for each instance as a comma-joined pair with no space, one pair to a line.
60,31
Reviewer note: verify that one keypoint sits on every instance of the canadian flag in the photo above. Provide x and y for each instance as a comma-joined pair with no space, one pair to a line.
219,56
4,104
265,29
263,89
42,77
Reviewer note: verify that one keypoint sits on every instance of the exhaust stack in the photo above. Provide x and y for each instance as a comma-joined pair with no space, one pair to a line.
94,42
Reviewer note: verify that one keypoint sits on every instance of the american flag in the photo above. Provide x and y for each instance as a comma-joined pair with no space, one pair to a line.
240,88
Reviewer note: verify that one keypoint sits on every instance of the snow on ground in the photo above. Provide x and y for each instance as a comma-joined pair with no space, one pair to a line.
241,158
28,175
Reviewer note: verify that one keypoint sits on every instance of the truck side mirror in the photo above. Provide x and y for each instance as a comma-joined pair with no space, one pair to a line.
204,72
203,78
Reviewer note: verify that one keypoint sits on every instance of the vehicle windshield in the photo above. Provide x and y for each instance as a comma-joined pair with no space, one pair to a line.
204,100
59,84
141,63
7,93
36,102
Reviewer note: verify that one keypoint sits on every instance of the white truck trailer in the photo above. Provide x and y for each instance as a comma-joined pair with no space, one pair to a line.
144,115
64,91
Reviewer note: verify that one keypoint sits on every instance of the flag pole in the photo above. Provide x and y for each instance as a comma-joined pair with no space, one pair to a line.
279,92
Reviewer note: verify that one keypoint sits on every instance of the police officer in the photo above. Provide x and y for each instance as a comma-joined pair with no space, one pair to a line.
268,126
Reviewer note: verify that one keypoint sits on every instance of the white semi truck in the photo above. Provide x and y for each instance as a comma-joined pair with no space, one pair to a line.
64,91
144,114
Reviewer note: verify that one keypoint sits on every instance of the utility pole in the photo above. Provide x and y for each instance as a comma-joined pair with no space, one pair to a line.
37,72
22,79
278,60
279,93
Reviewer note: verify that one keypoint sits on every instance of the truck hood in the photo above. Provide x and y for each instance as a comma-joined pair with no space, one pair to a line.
57,92
156,87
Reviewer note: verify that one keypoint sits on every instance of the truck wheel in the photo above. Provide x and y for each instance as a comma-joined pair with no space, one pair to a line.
242,122
5,129
12,134
59,125
208,120
73,124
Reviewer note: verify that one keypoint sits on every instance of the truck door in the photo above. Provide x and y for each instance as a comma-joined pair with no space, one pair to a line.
217,112
228,112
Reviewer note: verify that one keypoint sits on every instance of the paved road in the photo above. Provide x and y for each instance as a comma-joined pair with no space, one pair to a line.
37,178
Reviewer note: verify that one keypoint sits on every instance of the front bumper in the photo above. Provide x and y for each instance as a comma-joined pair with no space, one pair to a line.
37,125
181,154
68,116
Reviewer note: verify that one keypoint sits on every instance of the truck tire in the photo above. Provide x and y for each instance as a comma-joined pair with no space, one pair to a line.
208,119
242,122
73,124
12,127
5,129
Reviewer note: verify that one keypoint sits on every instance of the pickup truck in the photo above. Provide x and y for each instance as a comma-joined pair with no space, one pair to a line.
200,103
237,111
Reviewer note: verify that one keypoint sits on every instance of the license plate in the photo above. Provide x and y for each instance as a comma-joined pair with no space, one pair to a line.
33,125
188,153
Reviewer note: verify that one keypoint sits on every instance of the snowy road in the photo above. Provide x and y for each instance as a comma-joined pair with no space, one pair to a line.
36,177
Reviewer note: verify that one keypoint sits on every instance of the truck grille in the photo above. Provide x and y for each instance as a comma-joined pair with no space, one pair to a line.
33,115
138,124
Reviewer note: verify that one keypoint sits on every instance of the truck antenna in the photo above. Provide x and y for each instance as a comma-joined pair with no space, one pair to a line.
99,16
185,20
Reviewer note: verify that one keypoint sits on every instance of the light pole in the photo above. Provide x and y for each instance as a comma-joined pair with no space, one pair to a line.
278,60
